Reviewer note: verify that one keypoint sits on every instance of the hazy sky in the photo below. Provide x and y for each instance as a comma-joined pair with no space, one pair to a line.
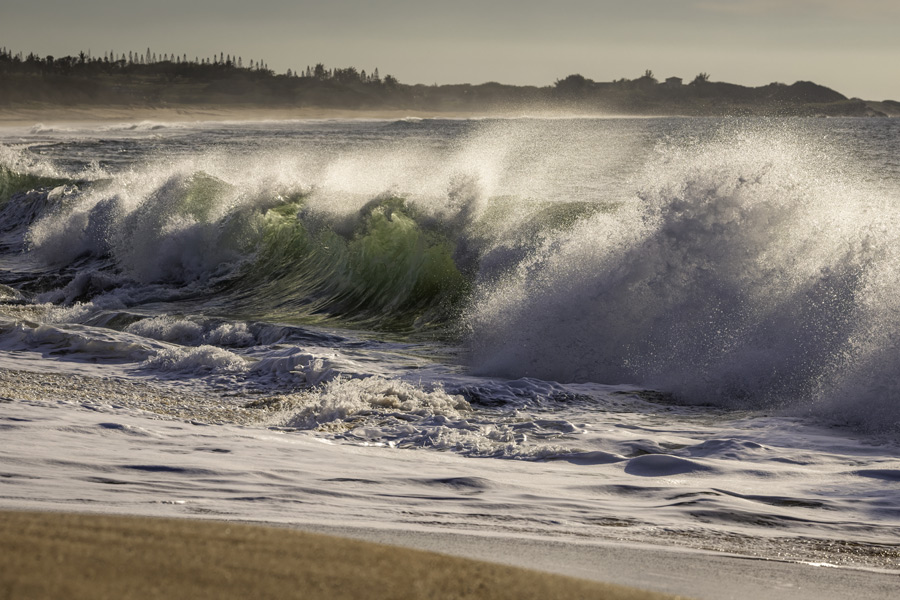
852,46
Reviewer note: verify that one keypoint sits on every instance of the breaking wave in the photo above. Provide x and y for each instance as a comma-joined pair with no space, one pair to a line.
267,254
751,269
749,272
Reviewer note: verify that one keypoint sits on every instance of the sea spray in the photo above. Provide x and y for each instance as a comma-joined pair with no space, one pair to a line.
746,272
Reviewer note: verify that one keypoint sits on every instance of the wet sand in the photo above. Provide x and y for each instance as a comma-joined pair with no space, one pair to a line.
64,555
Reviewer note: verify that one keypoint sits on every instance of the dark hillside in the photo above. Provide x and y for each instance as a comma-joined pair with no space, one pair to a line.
173,81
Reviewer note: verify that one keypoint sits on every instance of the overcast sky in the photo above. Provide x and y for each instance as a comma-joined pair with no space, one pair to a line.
851,46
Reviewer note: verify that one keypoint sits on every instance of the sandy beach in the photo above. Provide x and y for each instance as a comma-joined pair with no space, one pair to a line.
68,555
61,555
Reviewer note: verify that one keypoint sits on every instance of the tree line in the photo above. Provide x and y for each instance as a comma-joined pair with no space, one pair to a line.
150,62
152,79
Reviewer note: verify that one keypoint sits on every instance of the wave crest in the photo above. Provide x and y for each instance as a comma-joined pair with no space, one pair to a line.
745,273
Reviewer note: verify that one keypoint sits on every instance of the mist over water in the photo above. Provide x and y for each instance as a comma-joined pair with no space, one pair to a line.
754,269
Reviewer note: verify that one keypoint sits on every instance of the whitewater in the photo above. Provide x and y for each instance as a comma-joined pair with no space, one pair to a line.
680,332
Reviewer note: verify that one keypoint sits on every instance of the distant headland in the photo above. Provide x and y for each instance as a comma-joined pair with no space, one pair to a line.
167,82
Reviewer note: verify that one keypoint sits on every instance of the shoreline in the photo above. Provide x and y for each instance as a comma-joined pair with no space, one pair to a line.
692,572
126,455
29,116
100,556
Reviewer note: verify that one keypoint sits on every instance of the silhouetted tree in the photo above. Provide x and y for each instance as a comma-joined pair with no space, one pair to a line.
572,85
700,78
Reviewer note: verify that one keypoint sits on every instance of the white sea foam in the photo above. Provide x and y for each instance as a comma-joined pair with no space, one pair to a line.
341,399
75,342
763,487
298,366
200,360
165,328
191,333
741,272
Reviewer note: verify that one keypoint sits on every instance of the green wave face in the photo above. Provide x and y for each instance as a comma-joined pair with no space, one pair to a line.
264,255
388,272
13,182
201,195
279,254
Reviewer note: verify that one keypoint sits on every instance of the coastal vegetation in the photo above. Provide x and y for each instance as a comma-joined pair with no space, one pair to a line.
152,80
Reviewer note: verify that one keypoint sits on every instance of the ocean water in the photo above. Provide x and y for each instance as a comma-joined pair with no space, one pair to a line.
674,331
